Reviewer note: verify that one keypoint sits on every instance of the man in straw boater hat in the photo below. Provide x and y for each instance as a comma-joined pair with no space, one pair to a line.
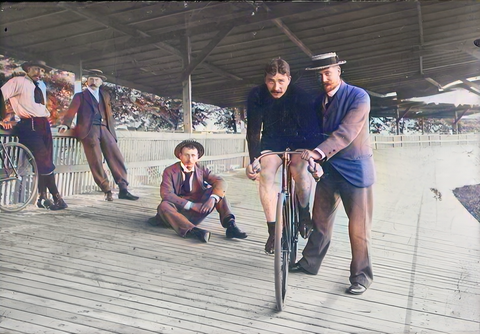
280,115
95,128
349,172
190,192
27,95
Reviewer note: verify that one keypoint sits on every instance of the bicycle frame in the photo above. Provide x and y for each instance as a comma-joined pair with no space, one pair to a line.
286,227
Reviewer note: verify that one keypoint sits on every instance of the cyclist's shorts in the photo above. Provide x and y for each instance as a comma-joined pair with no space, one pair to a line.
277,144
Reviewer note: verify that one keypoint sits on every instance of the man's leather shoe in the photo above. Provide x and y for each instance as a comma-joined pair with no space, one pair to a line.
44,203
108,196
297,268
156,221
59,203
234,232
124,194
356,289
202,235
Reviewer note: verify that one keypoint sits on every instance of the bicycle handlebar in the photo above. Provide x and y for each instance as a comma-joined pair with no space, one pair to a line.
312,163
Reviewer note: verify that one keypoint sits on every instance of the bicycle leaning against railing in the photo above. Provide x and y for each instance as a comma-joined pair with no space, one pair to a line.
287,221
18,176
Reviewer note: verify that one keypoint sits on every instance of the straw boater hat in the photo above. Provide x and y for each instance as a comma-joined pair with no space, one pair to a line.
39,63
95,73
189,142
319,62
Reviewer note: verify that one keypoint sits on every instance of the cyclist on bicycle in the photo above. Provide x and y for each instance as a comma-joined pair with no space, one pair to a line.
286,114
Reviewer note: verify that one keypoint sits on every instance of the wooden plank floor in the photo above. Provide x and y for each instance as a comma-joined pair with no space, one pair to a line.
97,267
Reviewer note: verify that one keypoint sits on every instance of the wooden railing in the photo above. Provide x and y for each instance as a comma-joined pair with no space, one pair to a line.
148,153
382,141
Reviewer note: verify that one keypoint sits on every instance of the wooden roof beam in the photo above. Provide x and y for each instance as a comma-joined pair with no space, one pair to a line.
206,51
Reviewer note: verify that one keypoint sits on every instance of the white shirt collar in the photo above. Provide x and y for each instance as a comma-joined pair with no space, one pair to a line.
185,170
333,92
95,93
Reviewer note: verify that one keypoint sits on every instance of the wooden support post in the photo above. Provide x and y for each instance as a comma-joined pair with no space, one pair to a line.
455,123
77,88
187,105
187,88
397,121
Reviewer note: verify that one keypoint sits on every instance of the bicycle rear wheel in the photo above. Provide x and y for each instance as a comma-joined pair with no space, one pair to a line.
18,177
282,249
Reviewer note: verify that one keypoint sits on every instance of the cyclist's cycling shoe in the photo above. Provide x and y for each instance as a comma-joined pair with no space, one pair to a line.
270,244
305,225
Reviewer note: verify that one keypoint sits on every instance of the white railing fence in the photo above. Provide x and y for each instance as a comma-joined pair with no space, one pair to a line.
382,141
148,153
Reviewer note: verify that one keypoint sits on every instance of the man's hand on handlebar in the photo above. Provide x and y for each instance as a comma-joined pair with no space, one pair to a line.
314,168
253,169
307,155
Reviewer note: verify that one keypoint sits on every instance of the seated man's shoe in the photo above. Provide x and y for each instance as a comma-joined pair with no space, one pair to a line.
270,244
234,232
108,196
297,268
124,194
356,289
59,203
198,233
156,221
305,222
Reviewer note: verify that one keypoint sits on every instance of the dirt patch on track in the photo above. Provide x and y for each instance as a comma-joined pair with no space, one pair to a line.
469,196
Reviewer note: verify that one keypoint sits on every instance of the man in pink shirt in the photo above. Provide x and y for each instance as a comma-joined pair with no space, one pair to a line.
27,96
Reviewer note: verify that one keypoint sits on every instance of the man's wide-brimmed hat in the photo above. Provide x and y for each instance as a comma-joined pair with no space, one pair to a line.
39,63
189,142
319,62
95,73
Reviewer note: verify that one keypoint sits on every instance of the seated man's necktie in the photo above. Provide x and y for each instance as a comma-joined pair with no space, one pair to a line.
38,94
186,183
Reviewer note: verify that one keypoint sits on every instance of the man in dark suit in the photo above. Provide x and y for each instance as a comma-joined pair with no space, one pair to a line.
95,128
189,193
349,173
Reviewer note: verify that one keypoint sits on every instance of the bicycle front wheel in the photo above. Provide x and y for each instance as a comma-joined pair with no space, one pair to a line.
18,177
282,250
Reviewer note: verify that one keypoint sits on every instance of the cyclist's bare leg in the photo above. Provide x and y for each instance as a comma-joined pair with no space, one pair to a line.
268,195
303,188
267,189
303,179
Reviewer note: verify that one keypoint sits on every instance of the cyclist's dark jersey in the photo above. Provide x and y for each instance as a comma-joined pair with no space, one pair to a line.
287,121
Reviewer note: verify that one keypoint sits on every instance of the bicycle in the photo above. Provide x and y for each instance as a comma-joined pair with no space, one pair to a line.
18,177
286,223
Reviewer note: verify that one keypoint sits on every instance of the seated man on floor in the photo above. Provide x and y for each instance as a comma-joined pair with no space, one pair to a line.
189,194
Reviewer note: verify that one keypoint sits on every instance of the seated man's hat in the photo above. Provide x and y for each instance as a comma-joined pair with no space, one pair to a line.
189,142
95,73
319,62
39,63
